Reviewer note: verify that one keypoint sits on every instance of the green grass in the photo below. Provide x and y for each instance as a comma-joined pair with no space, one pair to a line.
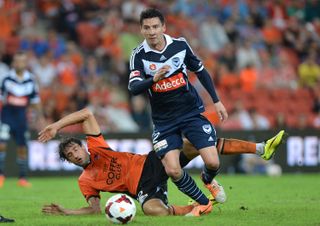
252,200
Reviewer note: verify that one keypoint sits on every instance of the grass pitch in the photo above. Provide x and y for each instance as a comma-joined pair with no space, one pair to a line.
252,200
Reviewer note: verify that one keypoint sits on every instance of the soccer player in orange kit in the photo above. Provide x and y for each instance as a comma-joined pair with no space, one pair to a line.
143,177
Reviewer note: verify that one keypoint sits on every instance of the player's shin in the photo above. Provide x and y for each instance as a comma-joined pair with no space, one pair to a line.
2,161
233,146
188,186
208,175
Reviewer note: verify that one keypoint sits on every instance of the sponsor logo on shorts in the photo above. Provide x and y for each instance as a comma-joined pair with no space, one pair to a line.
169,84
142,197
207,128
160,145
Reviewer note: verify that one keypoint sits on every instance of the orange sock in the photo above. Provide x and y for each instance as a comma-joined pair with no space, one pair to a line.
180,210
233,146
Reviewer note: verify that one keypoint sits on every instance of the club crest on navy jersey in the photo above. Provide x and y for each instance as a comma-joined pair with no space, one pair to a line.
176,62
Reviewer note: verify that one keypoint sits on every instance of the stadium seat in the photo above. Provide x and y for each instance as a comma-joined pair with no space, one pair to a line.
88,35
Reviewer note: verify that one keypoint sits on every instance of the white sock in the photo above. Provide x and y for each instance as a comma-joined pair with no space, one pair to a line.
260,148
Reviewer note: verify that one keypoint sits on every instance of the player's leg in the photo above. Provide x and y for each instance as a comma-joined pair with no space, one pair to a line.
210,171
2,163
4,137
166,146
154,200
202,135
22,156
224,146
155,207
229,146
181,178
5,220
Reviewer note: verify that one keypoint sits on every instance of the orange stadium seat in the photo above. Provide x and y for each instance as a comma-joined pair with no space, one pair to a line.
88,35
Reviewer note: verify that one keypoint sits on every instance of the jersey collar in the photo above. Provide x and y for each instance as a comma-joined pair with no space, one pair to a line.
148,49
26,75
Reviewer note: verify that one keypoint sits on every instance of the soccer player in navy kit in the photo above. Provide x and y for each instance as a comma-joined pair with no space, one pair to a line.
159,66
18,91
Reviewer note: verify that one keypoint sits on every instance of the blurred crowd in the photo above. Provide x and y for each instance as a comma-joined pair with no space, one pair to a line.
263,55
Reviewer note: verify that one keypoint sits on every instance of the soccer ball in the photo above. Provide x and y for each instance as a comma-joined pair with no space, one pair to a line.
120,209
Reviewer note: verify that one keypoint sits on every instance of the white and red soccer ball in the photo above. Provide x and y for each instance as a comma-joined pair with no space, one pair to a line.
120,209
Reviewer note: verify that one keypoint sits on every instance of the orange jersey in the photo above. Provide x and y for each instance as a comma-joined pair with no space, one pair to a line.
109,170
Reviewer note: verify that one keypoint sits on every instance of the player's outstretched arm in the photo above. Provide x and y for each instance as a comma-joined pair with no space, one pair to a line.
84,117
55,209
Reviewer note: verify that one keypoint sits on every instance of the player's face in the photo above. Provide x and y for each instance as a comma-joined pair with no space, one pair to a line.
20,62
152,30
77,154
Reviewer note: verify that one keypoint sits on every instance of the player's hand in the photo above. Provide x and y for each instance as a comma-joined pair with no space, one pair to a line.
47,133
161,73
221,111
53,209
41,123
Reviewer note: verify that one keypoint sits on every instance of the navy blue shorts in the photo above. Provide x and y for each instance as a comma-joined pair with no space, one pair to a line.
197,129
13,123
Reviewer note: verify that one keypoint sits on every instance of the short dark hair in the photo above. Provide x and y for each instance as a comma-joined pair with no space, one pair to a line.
65,143
151,13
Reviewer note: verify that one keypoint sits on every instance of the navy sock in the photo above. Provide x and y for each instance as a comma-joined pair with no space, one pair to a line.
183,160
209,174
2,161
188,186
23,167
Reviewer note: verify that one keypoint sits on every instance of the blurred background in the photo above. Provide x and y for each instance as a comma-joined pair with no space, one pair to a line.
263,55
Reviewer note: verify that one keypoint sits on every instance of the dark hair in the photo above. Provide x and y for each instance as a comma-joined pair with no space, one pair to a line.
66,142
20,53
151,13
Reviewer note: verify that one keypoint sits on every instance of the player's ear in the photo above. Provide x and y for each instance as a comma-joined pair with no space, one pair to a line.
164,28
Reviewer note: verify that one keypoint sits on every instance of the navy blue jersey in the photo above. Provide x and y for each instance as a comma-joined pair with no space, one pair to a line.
17,93
172,98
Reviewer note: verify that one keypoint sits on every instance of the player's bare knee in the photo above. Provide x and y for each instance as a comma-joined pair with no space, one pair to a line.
174,173
212,164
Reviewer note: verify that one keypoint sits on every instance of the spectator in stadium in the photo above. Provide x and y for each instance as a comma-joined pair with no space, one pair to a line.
247,55
4,69
259,121
18,91
44,71
141,176
159,66
309,71
280,121
213,35
316,120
